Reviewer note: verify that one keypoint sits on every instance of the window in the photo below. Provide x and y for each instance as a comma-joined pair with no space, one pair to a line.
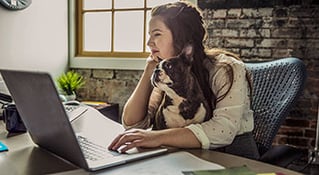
113,28
110,33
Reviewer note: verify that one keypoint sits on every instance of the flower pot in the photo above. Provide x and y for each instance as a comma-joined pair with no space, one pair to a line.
70,97
64,97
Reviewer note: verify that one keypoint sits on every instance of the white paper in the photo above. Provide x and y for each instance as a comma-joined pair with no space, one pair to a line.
169,164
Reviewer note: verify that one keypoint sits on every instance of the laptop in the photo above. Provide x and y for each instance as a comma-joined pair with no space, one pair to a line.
80,139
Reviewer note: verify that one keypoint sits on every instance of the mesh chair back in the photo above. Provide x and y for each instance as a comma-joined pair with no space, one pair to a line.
276,86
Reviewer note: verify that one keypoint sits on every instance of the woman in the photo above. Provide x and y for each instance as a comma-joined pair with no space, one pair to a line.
222,77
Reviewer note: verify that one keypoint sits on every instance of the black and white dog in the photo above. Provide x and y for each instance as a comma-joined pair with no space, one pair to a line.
184,102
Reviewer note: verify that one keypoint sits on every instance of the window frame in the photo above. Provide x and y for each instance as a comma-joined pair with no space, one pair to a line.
102,62
112,53
97,60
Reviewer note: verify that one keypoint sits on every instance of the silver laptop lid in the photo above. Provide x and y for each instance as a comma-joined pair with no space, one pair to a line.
43,114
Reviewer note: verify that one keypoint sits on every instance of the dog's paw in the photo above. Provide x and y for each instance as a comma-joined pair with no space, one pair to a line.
173,119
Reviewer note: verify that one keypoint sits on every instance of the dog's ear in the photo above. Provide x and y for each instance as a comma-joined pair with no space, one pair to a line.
188,52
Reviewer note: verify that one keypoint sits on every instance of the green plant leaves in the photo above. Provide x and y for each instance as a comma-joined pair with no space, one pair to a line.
69,82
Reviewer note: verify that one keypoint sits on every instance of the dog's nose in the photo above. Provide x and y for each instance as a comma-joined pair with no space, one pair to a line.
158,72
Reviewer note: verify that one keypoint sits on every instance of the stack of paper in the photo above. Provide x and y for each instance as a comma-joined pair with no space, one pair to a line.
169,164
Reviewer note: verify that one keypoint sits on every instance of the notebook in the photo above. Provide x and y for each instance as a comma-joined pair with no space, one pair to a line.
80,139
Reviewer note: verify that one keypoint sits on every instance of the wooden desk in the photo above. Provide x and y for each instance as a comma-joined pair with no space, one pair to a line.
24,157
110,110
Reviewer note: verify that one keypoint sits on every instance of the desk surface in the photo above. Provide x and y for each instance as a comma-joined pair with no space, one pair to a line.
24,157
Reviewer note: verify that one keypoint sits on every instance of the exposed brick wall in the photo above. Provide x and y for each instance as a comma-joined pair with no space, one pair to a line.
288,29
114,86
272,31
265,30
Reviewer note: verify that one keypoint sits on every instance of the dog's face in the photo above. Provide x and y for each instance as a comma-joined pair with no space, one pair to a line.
183,102
172,73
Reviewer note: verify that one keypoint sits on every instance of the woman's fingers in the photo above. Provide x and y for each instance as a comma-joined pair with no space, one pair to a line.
129,146
135,138
115,141
124,139
154,58
149,59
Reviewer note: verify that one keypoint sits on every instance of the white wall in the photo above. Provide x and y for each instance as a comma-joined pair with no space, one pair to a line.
35,38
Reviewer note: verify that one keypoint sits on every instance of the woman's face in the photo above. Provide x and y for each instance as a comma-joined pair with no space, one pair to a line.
161,39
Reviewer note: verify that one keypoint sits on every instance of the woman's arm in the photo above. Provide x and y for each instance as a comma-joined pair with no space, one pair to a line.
175,137
136,107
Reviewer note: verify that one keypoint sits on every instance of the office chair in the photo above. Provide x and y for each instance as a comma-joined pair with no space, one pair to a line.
276,85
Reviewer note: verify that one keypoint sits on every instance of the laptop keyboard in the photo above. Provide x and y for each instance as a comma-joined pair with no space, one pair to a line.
93,151
74,112
70,108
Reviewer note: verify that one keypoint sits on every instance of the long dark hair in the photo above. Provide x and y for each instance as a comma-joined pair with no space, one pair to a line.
187,26
185,21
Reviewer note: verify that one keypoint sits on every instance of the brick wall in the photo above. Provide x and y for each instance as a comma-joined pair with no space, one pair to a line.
256,30
114,86
288,29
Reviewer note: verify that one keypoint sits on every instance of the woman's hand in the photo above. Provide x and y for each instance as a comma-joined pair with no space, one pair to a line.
174,137
152,58
135,138
151,62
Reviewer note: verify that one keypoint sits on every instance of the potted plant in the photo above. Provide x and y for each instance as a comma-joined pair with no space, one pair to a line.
69,83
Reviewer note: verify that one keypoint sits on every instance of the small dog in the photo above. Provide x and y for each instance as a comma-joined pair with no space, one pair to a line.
184,102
